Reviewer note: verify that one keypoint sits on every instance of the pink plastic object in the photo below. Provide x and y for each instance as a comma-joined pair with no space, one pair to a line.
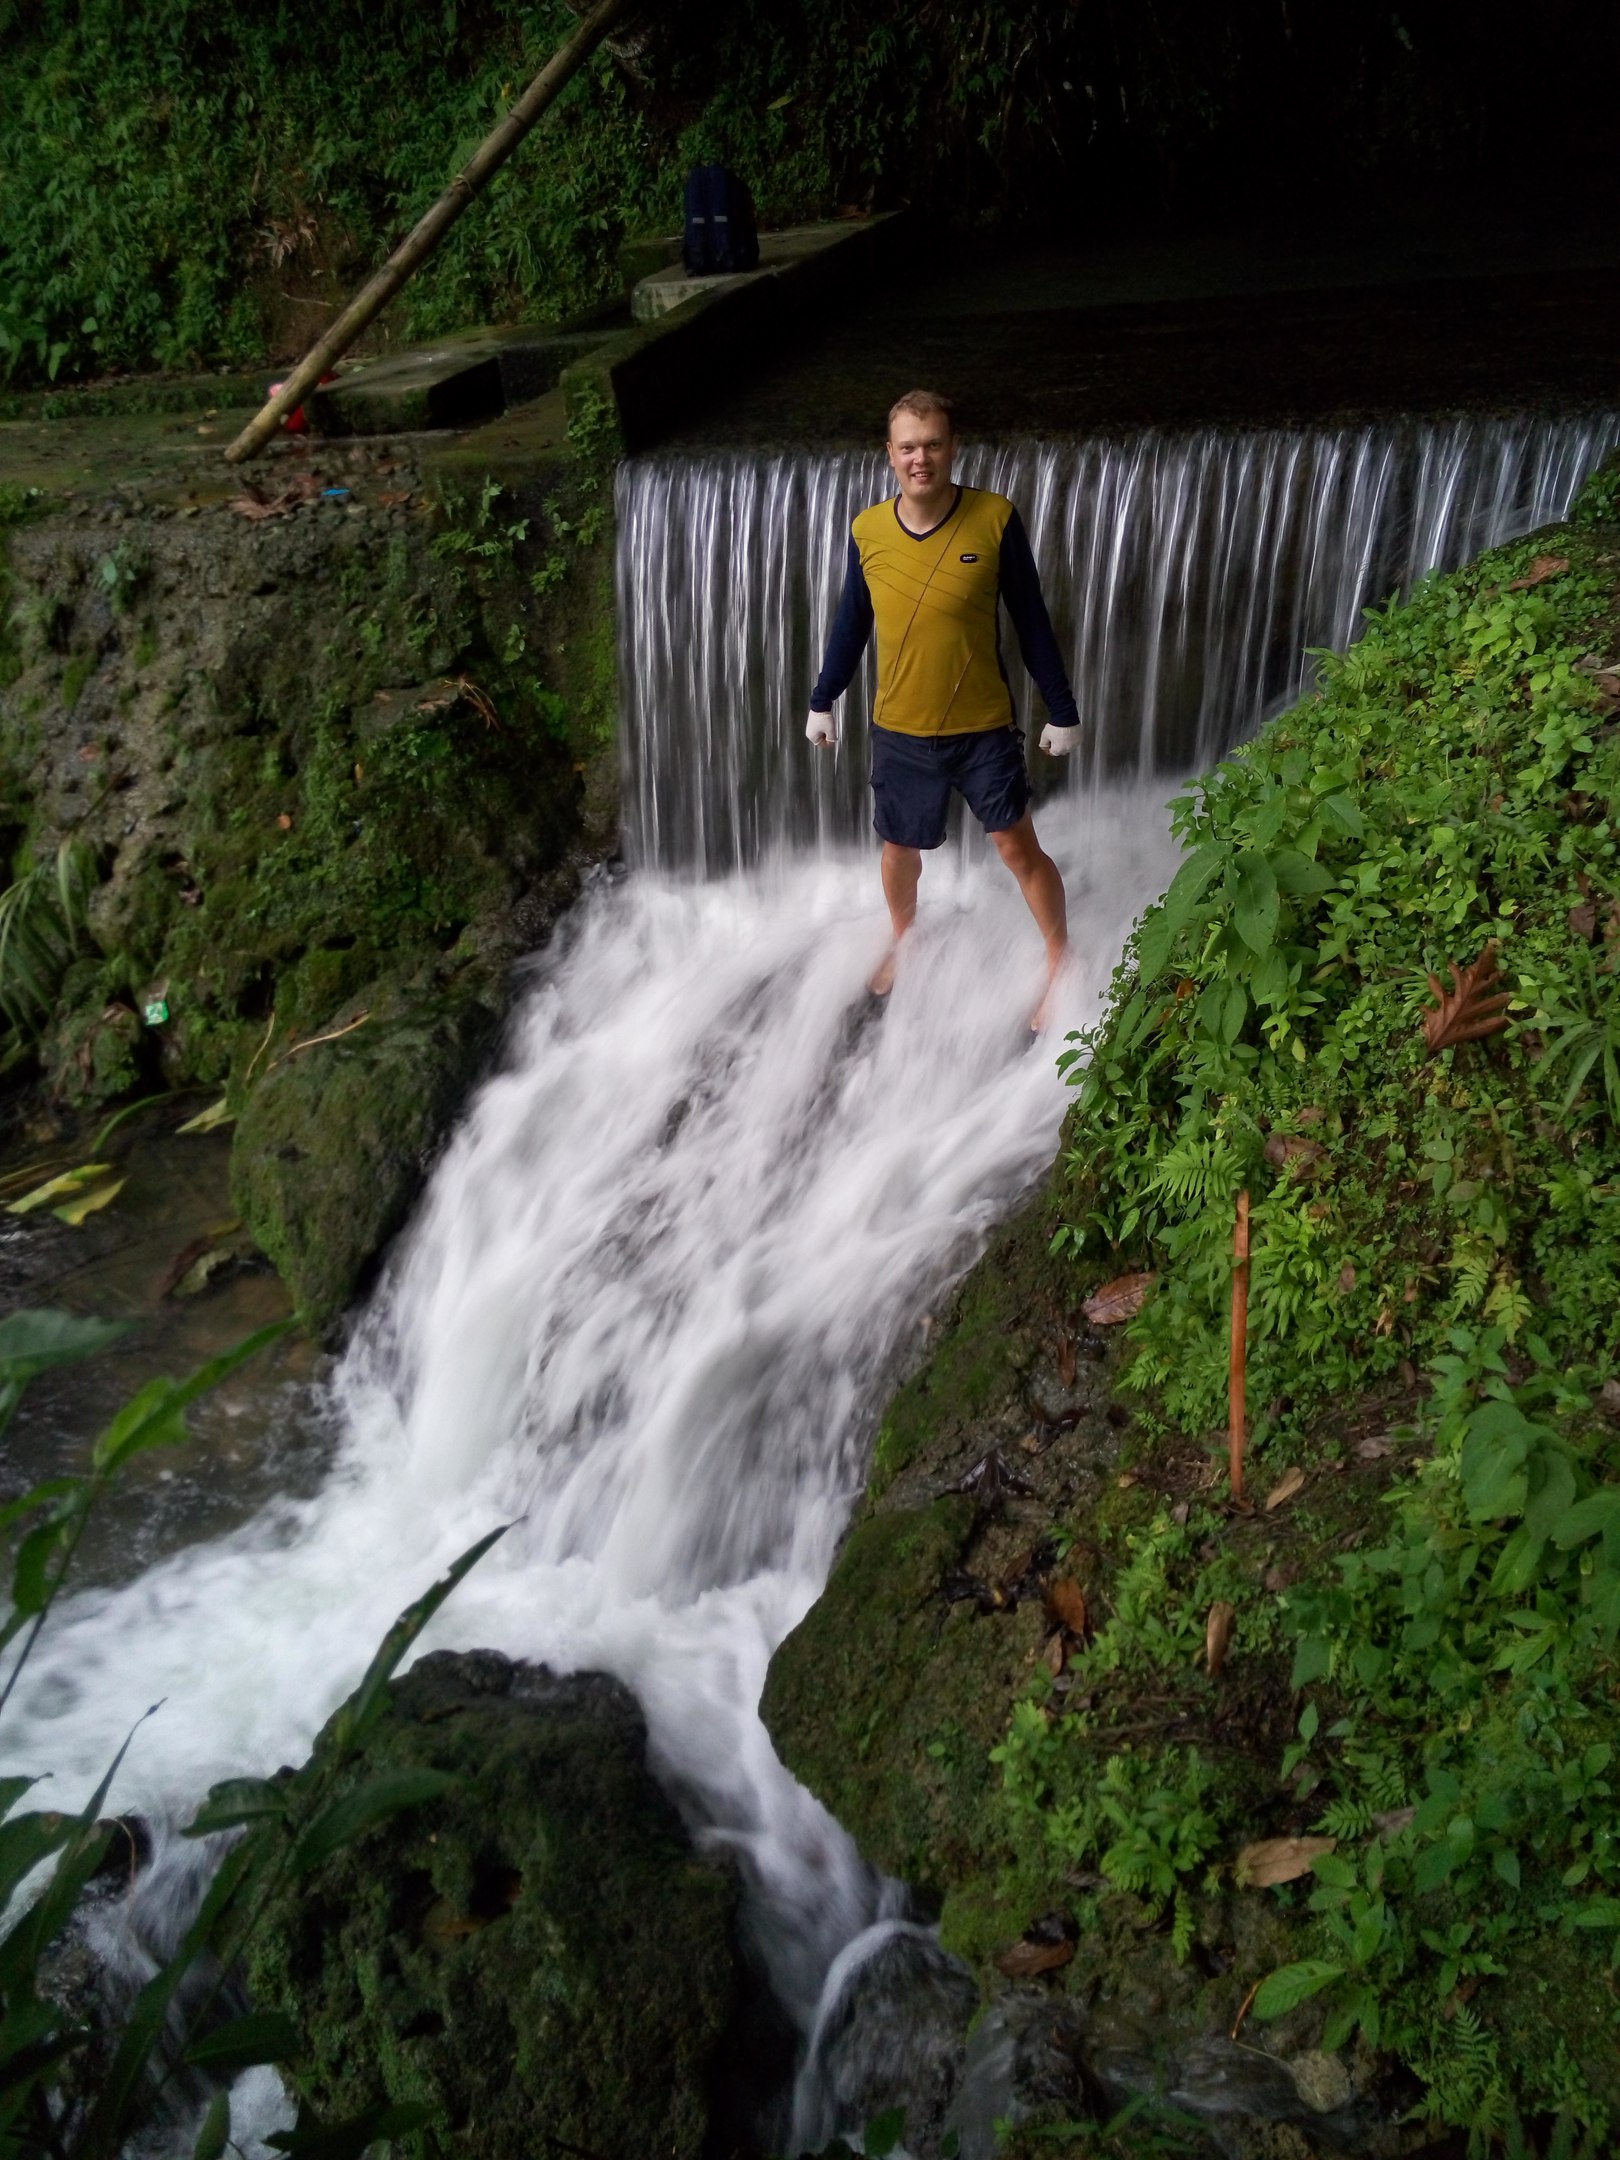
295,422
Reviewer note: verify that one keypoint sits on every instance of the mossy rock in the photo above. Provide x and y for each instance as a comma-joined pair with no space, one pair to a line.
333,1143
539,1955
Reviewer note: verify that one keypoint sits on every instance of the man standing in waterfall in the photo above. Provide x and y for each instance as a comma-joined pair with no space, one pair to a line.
928,568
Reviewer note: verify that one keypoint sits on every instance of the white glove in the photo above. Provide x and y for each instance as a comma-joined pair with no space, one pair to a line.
822,729
1059,741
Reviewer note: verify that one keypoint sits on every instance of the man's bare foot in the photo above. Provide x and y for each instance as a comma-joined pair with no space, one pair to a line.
1040,1018
881,980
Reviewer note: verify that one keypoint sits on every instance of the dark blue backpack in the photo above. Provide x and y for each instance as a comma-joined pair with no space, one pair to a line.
720,233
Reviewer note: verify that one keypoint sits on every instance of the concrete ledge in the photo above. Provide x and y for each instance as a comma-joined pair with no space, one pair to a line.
649,379
671,286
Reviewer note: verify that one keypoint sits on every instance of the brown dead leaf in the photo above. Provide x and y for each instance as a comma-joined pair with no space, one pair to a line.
1121,1299
1218,1635
1374,1449
1583,921
1608,1398
1347,1277
1385,1323
1066,1604
1277,1860
1180,1512
1542,568
1291,1482
392,498
285,822
1066,1360
1393,1821
1470,1009
1292,1151
1025,1959
1126,1479
1052,1655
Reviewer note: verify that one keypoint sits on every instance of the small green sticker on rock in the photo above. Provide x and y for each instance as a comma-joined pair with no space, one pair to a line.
156,1011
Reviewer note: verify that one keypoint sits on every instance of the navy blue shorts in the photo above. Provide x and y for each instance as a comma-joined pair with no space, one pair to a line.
913,775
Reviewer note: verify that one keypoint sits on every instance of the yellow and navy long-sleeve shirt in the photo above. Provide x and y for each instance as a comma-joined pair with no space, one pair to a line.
932,598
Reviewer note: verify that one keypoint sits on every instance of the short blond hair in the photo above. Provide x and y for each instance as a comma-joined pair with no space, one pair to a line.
924,403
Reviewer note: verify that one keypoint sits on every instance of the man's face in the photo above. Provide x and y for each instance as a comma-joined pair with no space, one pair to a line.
921,447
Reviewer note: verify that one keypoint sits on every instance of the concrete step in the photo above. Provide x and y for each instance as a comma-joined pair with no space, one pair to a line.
456,382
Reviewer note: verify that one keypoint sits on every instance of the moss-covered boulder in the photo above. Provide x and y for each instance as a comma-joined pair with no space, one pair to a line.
333,1143
539,1956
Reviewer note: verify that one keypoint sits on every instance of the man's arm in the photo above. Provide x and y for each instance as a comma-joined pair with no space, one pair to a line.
852,626
1021,589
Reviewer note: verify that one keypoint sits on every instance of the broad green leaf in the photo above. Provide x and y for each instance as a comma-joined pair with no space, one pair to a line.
1254,901
33,1580
46,1336
1313,1660
375,1801
1552,1495
73,1212
214,2132
1290,1985
28,1839
260,2036
156,1415
1344,813
1588,1518
33,1340
236,1802
1494,1454
356,1717
1298,876
60,1188
11,1791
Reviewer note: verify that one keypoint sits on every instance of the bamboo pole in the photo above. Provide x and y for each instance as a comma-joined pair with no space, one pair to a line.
430,229
1237,1384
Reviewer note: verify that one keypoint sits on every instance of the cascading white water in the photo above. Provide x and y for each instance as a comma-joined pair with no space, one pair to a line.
1187,574
647,1305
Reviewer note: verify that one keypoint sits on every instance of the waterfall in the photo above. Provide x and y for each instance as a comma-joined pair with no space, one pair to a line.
648,1305
1188,577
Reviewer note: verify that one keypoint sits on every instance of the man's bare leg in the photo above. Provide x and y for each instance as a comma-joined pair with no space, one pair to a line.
902,868
1042,887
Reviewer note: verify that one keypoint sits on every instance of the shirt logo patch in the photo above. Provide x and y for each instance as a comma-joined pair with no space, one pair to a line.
967,558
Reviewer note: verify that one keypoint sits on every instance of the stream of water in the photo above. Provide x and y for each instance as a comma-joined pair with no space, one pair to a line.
678,1240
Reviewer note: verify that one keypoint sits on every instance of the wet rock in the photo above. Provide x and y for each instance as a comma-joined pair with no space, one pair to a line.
540,1955
892,2034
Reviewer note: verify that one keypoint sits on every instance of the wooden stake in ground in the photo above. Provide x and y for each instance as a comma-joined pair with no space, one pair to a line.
1237,1385
491,154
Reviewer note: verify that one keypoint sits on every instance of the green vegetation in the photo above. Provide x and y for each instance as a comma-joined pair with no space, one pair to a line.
1453,1655
184,2017
41,927
194,185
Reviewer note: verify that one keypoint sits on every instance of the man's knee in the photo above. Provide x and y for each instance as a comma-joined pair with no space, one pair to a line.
1018,847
